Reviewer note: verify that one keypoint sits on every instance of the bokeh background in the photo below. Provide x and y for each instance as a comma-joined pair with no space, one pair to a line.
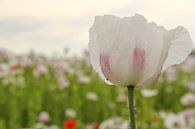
46,80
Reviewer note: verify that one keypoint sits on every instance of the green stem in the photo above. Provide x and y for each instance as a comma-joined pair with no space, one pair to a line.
131,106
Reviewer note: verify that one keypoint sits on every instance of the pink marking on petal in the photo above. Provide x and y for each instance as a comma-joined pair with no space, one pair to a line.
138,59
105,60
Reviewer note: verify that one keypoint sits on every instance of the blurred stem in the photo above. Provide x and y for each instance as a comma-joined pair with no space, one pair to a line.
131,106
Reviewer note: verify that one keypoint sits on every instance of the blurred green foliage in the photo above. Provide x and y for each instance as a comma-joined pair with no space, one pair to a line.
23,96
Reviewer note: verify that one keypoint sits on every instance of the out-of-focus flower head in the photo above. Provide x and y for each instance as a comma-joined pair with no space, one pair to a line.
149,93
44,117
70,124
83,79
63,82
188,113
188,99
70,113
92,96
39,126
40,70
61,66
174,121
44,126
114,123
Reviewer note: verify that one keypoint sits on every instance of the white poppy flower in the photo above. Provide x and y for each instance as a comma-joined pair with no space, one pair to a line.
131,51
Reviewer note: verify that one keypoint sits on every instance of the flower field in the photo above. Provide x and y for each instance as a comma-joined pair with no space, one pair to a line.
65,93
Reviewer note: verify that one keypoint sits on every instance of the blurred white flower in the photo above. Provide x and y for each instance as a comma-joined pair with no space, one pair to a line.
63,82
83,79
174,121
40,70
43,126
149,93
132,51
70,113
92,96
189,115
188,99
44,117
39,126
115,123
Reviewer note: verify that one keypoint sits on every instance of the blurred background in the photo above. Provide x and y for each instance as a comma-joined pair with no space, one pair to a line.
46,81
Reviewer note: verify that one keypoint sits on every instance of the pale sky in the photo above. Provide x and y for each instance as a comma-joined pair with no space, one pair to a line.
48,26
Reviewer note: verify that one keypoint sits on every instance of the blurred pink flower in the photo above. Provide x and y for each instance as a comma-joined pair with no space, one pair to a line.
40,70
44,117
63,82
188,113
61,66
188,99
83,79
